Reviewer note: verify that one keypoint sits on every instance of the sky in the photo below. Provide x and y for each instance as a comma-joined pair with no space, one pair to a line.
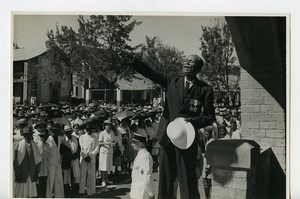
182,32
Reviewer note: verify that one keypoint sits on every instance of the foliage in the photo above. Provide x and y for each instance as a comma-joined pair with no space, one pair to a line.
218,52
98,50
161,57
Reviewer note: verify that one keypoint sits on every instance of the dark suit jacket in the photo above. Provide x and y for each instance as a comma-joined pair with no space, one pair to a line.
67,155
196,103
26,168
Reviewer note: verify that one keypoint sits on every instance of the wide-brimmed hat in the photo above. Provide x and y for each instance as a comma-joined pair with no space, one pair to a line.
181,133
27,130
41,125
90,122
22,121
44,132
140,138
108,121
67,128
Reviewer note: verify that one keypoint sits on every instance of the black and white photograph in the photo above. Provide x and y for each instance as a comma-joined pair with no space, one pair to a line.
149,106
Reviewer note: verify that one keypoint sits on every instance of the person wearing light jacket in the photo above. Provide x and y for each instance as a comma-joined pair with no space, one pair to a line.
89,149
27,162
142,179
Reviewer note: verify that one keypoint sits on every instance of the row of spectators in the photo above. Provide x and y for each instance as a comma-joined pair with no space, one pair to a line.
73,145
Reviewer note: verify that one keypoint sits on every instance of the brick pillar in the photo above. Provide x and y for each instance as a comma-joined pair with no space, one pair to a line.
233,168
263,119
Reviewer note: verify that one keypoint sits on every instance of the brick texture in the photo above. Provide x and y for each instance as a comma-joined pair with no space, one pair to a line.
263,119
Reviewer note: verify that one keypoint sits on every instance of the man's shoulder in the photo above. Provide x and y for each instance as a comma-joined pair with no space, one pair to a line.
203,84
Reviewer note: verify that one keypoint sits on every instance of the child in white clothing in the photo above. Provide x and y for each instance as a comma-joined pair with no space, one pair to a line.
142,180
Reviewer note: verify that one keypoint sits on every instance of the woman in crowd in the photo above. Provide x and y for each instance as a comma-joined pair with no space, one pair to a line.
126,142
118,148
107,142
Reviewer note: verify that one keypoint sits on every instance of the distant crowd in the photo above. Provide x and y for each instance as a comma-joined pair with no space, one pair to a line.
60,150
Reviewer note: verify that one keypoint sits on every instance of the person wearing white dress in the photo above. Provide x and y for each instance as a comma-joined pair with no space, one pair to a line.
142,179
107,142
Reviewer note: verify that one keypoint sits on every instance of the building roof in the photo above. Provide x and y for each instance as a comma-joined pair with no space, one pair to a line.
137,82
27,53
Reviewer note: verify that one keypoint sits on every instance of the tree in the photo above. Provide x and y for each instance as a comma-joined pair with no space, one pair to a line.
161,57
98,50
218,52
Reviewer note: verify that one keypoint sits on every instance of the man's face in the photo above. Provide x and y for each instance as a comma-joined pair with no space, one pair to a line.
207,135
68,134
28,137
190,67
135,145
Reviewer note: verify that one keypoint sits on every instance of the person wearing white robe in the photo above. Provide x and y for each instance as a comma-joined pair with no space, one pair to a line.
55,180
89,149
142,179
44,151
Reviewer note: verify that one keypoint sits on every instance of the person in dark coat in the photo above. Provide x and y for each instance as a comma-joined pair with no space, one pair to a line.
192,99
70,152
27,162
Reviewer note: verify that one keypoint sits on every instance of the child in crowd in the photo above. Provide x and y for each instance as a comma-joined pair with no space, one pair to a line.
142,180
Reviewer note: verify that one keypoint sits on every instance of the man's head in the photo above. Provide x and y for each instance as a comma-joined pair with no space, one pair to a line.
208,132
192,66
138,141
233,124
27,132
68,131
107,125
222,130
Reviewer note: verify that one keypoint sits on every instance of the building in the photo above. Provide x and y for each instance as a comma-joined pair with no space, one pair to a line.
136,90
29,85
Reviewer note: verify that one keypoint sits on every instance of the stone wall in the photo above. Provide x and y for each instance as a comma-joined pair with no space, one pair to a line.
242,170
263,119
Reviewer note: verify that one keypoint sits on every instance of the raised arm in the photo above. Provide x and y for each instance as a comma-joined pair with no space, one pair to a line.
148,72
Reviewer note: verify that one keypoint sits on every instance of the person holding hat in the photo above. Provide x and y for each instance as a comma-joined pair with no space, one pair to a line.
70,152
27,162
189,98
142,179
107,142
89,149
44,151
55,181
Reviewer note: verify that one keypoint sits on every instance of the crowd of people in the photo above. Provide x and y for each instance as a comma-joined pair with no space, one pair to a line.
74,145
60,150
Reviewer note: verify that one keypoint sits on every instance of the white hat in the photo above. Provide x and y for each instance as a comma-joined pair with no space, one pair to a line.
181,133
